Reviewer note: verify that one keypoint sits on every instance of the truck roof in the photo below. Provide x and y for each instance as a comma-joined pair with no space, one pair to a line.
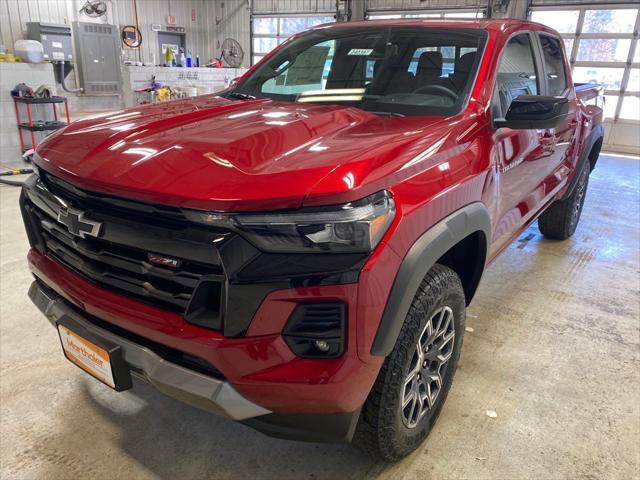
498,24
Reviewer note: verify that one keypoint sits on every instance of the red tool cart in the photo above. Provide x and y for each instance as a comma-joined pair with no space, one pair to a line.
32,125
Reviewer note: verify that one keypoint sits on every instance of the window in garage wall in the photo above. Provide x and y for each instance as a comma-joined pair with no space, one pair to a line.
602,43
476,13
270,31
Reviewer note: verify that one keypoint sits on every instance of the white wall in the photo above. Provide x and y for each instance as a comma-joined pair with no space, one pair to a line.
265,7
397,5
207,24
14,14
231,19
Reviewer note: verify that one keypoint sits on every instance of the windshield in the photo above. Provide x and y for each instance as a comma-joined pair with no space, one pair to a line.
386,70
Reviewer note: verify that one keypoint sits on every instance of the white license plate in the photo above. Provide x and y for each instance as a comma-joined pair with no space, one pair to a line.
86,355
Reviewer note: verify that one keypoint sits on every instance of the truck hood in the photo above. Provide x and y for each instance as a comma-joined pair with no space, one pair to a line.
216,154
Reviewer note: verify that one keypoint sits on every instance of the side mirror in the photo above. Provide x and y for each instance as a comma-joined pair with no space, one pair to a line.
534,112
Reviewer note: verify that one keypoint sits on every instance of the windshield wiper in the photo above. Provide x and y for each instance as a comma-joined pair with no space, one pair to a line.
241,96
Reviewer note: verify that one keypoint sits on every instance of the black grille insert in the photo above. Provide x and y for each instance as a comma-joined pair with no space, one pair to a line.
119,259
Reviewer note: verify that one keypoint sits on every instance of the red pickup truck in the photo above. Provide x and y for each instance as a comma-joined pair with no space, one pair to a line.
296,252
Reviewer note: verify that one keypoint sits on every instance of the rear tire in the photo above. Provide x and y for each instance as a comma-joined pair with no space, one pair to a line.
561,218
415,378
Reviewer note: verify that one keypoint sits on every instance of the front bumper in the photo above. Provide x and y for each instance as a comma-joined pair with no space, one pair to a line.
214,395
199,390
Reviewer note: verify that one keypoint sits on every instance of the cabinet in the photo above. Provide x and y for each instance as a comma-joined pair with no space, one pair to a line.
98,52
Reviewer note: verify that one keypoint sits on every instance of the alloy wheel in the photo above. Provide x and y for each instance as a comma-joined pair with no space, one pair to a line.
581,189
428,367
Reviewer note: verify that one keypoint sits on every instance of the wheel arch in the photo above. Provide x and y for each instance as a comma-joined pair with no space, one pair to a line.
593,145
461,242
594,152
467,258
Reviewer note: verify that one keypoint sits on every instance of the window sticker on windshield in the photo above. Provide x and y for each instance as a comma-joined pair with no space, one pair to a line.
360,52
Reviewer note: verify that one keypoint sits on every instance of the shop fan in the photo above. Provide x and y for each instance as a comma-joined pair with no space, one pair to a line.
232,52
94,9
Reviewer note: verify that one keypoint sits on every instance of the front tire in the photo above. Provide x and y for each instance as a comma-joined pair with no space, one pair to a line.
415,378
560,220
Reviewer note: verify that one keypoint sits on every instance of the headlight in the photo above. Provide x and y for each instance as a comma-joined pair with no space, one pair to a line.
353,227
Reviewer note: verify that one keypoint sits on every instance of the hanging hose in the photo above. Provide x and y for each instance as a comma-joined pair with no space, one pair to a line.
64,87
15,171
13,183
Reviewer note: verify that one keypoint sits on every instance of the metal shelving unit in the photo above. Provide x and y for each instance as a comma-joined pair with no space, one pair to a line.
32,125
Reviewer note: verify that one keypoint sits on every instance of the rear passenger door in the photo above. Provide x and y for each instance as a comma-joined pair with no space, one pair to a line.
555,74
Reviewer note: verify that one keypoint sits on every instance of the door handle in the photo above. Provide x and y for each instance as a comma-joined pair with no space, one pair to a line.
547,137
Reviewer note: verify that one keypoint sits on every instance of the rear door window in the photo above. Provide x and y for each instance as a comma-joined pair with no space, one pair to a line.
554,65
517,74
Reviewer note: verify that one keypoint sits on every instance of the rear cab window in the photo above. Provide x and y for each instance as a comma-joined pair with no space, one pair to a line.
450,56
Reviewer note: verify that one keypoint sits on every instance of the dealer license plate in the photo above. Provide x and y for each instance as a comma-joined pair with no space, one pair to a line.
86,355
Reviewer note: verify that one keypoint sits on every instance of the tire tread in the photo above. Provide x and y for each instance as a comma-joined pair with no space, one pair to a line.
555,221
376,433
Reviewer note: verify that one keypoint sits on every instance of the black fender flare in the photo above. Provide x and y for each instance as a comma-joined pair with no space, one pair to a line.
597,133
423,255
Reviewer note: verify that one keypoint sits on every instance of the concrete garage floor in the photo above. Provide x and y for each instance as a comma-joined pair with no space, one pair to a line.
555,351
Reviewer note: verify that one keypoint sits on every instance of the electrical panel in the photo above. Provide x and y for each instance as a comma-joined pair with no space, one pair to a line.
98,57
55,40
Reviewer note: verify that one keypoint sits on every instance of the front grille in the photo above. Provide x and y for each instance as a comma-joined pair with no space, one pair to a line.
118,260
122,269
162,215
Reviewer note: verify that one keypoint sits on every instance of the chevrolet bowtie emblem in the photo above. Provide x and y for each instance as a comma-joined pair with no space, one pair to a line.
78,225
